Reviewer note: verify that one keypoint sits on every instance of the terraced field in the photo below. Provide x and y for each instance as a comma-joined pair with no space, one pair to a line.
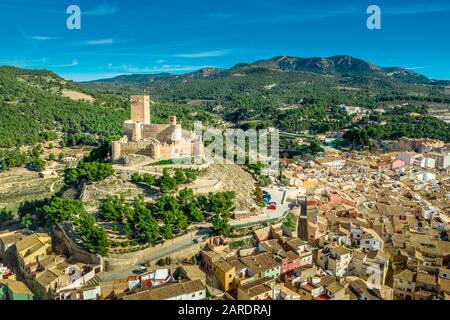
20,184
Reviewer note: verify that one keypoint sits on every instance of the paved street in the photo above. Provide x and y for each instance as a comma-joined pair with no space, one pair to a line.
177,246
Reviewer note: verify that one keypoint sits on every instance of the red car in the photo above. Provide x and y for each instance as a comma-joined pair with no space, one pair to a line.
272,206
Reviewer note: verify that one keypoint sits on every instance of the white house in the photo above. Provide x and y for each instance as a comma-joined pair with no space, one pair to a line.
425,176
429,213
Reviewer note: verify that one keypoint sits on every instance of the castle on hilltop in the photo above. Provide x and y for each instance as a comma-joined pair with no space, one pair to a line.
158,141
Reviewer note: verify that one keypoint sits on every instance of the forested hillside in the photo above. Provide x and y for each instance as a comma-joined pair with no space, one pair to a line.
33,109
297,94
292,94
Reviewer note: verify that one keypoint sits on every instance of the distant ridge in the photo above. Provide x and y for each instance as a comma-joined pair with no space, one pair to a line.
338,66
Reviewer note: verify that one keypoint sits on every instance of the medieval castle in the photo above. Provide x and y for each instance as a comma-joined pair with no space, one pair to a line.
160,142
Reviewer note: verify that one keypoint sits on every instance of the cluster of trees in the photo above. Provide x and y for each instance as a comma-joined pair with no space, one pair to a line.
294,149
16,158
31,113
145,179
220,206
170,214
169,182
88,171
94,237
289,222
73,212
31,213
136,219
397,126
79,139
42,213
6,215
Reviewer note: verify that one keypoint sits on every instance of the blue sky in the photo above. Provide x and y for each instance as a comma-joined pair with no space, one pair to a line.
177,36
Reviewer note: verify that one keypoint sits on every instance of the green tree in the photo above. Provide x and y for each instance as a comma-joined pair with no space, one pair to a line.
115,208
95,238
37,165
180,177
167,232
149,180
290,222
146,224
5,215
63,210
194,213
167,183
27,221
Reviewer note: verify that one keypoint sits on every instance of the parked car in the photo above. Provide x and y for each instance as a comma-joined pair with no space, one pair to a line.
272,206
141,270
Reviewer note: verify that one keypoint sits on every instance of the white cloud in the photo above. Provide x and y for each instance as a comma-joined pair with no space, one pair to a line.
418,9
159,69
100,42
73,64
102,10
204,54
44,38
23,62
415,68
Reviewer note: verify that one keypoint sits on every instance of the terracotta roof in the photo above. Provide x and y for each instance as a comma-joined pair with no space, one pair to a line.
257,287
405,275
444,285
426,278
260,263
16,287
168,291
223,265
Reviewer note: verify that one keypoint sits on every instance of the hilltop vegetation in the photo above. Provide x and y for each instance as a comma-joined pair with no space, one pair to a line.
292,94
33,110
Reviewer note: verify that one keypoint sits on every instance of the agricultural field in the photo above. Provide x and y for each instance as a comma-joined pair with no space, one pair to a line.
19,184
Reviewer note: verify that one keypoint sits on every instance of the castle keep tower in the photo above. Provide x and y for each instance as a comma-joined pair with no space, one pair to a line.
140,109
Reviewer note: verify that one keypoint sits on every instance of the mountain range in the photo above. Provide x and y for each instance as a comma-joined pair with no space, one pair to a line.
293,94
337,66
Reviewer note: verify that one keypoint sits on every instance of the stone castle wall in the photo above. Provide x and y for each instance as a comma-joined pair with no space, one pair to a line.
142,147
115,262
74,250
161,132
